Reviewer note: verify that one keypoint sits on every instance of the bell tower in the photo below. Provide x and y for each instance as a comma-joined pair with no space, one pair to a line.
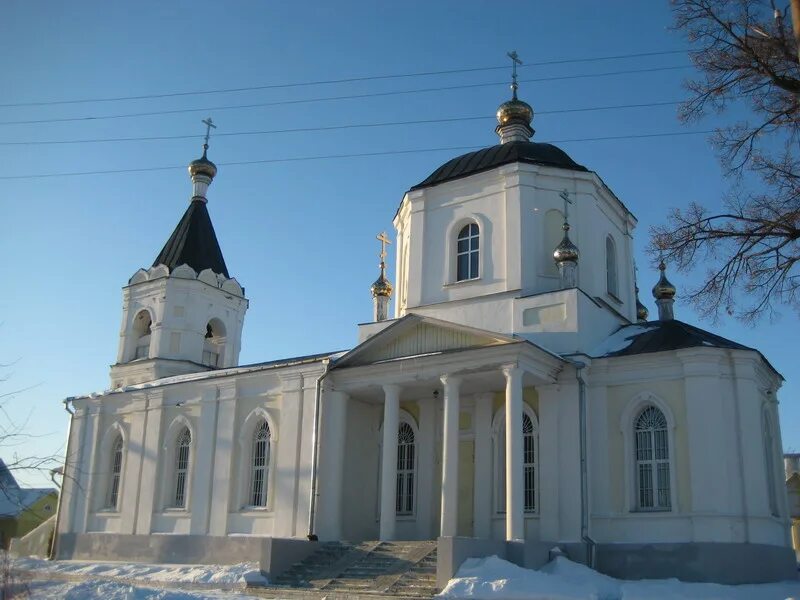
185,313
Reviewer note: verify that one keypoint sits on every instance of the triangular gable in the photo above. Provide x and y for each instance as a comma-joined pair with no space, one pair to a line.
415,335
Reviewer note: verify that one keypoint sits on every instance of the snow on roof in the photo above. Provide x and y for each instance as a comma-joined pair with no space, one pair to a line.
202,375
14,501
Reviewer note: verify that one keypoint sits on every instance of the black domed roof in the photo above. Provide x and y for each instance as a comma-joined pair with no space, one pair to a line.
502,154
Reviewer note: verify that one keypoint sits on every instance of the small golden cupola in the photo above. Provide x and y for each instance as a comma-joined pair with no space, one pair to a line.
664,293
641,310
202,170
382,288
566,254
514,117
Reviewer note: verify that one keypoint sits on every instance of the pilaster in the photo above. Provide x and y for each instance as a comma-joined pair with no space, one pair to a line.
204,462
151,459
426,468
223,460
131,479
330,474
288,454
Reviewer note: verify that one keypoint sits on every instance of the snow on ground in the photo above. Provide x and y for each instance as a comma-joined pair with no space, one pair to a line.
108,590
561,579
202,574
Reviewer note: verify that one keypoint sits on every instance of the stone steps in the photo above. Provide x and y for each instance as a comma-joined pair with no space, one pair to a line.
339,570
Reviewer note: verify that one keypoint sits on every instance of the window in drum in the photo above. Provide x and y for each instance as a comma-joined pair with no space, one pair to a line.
467,252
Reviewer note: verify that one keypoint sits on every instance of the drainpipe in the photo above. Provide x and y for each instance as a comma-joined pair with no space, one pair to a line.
52,553
312,505
579,366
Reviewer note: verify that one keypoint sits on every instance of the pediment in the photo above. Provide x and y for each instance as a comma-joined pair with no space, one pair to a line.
415,335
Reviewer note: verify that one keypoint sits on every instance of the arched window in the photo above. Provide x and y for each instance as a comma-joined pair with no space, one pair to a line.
467,252
214,344
112,498
530,458
181,477
652,460
406,463
769,465
611,267
259,476
142,328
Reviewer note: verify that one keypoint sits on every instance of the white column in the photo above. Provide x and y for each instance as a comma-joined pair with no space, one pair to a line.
223,460
449,516
391,421
330,476
515,509
482,527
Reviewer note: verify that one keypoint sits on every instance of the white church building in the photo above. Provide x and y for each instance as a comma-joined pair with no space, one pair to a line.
517,399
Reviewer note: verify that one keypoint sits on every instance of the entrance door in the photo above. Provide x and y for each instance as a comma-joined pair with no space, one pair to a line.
466,484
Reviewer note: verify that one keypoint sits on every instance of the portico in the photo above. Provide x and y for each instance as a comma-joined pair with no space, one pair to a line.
454,398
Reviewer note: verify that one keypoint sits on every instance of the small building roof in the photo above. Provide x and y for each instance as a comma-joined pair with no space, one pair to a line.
14,499
536,153
193,242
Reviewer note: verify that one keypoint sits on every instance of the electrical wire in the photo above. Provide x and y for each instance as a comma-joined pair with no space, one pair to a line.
336,81
343,97
337,156
328,128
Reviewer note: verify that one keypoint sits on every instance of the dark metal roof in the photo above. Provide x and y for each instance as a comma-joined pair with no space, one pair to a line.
659,336
502,154
193,243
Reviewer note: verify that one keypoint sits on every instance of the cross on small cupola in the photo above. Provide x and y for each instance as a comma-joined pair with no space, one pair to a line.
382,288
566,253
514,117
202,170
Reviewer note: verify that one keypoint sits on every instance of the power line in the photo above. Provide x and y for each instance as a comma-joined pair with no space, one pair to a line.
336,81
345,97
356,155
328,128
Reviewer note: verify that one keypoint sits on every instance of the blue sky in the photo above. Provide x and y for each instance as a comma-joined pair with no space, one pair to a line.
300,234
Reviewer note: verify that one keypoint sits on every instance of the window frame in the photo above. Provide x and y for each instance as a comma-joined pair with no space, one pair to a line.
768,445
404,417
406,474
471,234
499,461
612,267
627,425
263,500
168,481
245,456
114,484
180,476
657,446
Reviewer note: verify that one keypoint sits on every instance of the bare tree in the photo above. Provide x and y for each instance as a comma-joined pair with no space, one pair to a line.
746,55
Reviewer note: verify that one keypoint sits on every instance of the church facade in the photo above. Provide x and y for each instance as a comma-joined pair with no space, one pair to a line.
518,399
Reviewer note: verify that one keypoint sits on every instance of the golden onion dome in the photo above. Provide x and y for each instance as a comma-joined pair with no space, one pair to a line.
663,290
514,110
641,310
566,251
382,286
203,166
